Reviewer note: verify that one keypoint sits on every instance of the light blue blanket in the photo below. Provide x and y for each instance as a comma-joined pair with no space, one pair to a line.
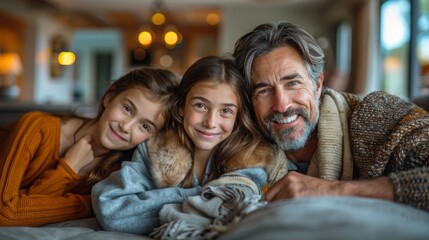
313,218
333,218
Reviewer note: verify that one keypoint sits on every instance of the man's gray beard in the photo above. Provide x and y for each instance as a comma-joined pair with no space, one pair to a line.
293,145
296,144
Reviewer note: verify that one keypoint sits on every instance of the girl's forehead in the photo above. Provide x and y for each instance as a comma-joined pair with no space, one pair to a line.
213,84
214,92
138,90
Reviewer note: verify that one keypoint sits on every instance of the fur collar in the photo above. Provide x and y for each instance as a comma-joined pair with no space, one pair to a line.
262,156
170,161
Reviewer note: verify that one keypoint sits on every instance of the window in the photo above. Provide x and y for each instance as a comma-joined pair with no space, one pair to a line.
404,42
395,40
422,47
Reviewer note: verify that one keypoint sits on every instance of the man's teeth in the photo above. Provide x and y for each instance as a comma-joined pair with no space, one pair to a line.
288,120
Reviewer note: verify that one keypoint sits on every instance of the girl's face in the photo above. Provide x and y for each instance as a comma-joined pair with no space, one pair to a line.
129,118
209,114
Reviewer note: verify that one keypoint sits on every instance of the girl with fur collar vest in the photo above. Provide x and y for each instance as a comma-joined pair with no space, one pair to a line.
211,140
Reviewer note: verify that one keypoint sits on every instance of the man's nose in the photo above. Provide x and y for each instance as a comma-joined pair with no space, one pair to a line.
281,101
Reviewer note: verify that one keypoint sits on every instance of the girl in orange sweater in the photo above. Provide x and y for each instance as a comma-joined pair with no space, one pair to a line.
48,163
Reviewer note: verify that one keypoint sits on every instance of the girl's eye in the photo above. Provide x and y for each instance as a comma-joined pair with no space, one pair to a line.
127,108
227,111
145,127
200,106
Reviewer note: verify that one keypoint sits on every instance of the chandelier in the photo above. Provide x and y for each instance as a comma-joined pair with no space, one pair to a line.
159,29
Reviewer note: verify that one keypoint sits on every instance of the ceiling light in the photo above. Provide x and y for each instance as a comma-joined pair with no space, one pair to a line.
212,19
145,38
158,18
66,58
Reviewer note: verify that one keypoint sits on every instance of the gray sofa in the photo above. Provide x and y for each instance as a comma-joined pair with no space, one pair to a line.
305,218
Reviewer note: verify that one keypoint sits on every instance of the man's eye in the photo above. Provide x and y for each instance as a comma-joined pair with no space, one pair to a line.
263,92
292,83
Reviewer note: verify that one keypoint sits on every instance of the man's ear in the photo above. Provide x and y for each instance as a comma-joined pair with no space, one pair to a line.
319,84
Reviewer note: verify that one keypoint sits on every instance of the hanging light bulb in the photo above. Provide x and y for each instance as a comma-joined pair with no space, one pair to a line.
158,18
145,38
170,38
66,58
212,19
170,35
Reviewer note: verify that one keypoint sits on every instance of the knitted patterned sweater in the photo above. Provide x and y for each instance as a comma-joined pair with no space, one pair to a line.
390,137
37,186
386,136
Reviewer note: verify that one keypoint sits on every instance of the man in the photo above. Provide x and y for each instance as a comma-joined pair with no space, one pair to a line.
329,138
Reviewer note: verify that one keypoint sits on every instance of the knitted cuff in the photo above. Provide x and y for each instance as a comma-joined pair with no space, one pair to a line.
412,187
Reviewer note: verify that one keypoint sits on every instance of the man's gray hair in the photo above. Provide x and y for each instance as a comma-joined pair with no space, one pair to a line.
266,37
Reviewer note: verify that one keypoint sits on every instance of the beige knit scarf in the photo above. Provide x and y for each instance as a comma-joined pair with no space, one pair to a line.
333,158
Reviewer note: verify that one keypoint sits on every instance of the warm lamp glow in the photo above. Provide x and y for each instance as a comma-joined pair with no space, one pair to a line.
10,68
145,38
66,58
213,19
10,64
158,30
171,38
158,18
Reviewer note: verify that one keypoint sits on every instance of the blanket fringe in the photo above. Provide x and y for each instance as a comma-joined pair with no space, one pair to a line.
234,205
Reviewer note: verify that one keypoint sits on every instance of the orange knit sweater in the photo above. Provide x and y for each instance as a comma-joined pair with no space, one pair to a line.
36,185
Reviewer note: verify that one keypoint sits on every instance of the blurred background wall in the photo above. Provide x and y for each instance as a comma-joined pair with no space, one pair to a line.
370,44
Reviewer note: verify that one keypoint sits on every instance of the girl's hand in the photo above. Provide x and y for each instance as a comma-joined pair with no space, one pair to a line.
80,155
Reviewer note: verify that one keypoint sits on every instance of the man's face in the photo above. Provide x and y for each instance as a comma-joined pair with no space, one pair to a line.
285,99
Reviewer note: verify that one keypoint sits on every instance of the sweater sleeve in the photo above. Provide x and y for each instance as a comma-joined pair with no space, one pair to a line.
55,182
128,201
29,195
410,159
390,136
412,187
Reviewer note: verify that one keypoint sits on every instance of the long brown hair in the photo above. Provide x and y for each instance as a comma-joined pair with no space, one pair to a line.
244,137
161,84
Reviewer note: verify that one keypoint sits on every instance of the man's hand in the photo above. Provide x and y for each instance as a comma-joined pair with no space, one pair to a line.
80,155
295,185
